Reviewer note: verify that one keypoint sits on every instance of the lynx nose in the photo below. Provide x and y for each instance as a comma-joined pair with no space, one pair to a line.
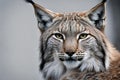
70,53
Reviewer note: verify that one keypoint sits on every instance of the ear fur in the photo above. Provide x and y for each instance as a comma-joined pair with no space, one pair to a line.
97,15
44,16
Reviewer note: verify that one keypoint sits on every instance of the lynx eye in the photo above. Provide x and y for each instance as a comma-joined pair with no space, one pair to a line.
59,36
83,36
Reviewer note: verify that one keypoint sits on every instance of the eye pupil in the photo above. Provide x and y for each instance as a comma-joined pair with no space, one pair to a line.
82,36
59,36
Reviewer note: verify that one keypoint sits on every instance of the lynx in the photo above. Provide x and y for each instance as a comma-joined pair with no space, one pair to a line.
73,46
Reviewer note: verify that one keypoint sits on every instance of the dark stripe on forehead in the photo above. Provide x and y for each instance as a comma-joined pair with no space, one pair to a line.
71,25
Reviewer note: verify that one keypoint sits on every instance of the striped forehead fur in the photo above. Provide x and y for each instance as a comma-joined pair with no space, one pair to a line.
71,22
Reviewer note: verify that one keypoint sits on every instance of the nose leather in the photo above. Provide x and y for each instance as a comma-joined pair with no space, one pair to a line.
70,53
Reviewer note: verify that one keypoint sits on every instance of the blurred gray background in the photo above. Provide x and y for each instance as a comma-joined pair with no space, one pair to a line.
19,35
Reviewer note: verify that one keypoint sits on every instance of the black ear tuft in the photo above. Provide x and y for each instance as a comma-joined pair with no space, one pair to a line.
30,1
104,1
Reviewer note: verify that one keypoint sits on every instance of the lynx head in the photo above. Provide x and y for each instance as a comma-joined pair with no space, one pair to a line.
71,41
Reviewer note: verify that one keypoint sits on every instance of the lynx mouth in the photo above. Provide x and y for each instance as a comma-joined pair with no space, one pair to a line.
71,63
71,58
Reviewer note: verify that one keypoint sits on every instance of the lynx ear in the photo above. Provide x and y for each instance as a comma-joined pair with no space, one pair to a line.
97,15
44,16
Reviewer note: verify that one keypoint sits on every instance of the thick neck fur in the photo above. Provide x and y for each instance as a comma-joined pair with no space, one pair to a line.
112,73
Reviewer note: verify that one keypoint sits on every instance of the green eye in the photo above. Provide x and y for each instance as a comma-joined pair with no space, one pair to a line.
59,36
83,36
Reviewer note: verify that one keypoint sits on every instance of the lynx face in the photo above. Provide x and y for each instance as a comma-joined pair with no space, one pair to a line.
71,41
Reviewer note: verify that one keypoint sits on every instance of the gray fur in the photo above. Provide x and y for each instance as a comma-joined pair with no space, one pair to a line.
92,49
90,53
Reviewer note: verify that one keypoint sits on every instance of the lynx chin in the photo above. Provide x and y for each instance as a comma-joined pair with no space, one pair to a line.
73,46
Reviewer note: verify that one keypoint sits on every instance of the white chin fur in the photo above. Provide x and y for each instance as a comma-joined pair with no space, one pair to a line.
71,64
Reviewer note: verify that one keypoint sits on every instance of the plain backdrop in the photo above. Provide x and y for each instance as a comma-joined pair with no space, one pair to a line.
19,35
